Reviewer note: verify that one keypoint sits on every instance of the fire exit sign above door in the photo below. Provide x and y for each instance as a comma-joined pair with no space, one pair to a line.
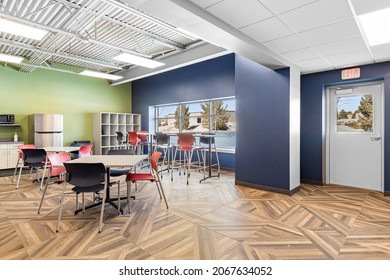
351,73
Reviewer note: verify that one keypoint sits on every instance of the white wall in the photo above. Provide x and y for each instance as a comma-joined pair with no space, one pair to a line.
295,127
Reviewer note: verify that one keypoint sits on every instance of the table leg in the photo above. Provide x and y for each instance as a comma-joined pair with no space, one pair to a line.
210,164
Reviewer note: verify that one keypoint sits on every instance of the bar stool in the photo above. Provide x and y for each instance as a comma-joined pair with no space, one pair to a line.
186,147
162,143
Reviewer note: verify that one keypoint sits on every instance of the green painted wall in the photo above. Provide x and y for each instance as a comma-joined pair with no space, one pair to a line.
45,91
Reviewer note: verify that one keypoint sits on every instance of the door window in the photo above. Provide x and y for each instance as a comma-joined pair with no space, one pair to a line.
355,113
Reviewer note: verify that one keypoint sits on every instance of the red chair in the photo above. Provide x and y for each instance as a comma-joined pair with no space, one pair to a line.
85,151
143,140
186,147
132,138
19,162
56,170
152,177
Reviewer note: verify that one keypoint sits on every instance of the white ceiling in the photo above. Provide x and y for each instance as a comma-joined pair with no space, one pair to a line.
312,35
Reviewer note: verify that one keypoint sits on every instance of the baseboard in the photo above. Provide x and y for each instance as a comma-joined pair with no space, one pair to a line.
312,182
269,189
387,193
225,169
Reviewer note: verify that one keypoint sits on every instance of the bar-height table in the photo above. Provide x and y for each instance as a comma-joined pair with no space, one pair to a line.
128,161
211,138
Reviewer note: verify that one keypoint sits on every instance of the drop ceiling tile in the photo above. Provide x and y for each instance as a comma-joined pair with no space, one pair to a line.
313,63
364,6
240,13
315,69
317,14
205,3
286,44
302,54
382,58
350,58
267,30
280,6
342,46
381,50
330,33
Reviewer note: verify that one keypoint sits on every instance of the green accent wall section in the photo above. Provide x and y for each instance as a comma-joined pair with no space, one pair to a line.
50,92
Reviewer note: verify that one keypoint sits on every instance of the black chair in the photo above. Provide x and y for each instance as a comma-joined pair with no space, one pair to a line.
86,178
121,140
122,171
33,159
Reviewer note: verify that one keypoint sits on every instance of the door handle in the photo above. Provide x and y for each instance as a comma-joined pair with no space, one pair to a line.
376,138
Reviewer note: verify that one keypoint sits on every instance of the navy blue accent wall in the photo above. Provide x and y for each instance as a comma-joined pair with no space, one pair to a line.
208,79
312,114
262,143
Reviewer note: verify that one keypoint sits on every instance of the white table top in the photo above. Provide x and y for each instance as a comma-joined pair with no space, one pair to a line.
112,160
60,149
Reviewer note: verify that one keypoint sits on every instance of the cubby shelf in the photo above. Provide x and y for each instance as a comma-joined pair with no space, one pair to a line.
105,126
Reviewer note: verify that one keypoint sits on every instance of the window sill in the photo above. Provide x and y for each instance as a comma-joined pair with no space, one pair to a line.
226,150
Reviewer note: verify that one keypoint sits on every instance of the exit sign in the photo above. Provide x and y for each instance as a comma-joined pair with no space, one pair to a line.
351,73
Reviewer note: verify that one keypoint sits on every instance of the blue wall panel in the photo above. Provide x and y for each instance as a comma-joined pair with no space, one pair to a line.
262,100
312,114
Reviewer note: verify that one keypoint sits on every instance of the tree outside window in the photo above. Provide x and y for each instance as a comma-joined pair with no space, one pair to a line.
182,111
219,115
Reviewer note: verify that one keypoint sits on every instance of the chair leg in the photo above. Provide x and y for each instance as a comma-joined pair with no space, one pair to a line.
61,205
102,210
173,162
129,195
43,195
83,200
20,174
77,201
217,157
162,191
16,168
158,188
119,197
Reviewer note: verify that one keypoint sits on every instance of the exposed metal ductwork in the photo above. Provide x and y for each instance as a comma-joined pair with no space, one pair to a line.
87,34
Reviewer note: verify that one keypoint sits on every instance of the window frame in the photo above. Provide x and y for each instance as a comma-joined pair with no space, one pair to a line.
156,118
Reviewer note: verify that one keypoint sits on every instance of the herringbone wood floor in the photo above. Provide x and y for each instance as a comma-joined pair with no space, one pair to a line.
212,220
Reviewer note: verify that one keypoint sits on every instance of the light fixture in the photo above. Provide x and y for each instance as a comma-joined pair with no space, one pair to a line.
376,26
100,75
23,30
10,58
141,61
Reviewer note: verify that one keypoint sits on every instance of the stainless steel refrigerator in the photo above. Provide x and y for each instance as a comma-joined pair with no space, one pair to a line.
48,130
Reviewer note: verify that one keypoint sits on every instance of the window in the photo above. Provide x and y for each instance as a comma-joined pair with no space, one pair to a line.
355,113
211,116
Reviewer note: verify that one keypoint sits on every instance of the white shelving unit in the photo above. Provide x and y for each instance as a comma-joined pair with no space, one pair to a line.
105,126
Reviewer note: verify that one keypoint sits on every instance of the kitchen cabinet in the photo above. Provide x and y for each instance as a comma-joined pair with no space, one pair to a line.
9,155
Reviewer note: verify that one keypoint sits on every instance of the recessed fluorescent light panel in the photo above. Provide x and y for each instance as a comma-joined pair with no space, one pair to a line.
137,60
376,26
23,30
100,75
10,58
